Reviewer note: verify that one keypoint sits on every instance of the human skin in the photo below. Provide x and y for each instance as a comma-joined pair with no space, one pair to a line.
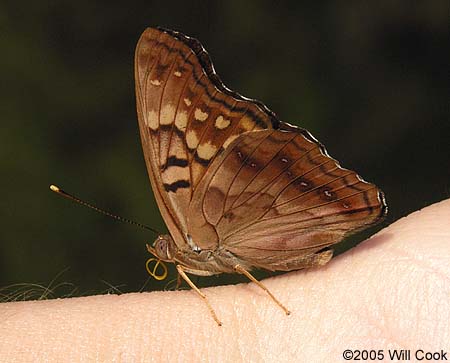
390,292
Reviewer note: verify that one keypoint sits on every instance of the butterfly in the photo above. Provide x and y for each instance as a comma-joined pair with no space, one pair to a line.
238,188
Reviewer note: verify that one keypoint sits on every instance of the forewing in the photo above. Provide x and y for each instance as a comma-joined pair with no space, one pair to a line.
187,117
275,196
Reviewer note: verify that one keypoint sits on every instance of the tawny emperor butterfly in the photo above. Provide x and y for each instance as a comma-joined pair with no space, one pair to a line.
238,188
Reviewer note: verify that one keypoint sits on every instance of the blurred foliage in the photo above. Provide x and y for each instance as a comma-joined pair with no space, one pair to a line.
368,79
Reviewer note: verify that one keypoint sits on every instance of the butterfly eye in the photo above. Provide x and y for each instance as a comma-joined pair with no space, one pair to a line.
161,246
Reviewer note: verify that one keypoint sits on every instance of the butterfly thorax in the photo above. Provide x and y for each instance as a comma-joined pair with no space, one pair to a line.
213,261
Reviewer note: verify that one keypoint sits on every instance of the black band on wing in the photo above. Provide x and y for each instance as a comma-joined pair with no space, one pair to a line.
200,160
174,161
173,187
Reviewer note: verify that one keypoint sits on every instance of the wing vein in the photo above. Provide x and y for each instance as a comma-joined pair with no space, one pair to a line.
237,173
324,204
259,172
144,91
302,194
175,116
300,211
162,97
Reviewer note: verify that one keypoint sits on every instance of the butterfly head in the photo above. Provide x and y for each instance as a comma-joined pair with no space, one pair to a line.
163,248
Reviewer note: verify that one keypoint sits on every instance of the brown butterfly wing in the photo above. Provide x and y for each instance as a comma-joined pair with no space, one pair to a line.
274,198
187,117
227,174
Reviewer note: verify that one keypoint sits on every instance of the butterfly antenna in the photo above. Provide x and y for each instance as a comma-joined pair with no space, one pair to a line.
59,191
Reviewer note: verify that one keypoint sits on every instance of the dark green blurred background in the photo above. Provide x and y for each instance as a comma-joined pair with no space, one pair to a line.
368,79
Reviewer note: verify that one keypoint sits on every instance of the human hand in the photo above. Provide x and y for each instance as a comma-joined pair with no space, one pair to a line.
390,292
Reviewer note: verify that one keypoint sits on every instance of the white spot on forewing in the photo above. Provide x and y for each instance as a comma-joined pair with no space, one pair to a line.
229,141
206,150
187,101
222,123
152,120
200,115
181,120
174,173
247,123
167,114
155,82
177,73
191,139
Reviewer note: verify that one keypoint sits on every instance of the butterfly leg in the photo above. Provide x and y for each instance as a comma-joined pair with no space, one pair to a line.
243,271
179,281
182,271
